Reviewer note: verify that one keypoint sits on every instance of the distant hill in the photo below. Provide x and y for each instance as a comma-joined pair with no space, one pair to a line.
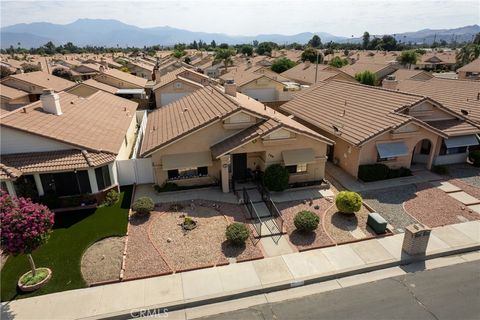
111,33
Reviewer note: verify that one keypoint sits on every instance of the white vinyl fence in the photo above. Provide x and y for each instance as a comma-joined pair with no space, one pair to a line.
137,171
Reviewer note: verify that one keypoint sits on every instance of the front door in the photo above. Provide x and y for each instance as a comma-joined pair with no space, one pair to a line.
239,163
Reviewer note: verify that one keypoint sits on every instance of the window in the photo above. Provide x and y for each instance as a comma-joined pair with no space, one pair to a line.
103,177
186,173
446,151
66,183
298,168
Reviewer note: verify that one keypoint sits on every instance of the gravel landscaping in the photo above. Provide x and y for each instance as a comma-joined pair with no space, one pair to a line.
102,261
434,208
468,188
389,203
163,241
347,227
308,240
466,173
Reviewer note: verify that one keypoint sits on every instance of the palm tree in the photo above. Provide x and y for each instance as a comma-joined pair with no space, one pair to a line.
225,56
464,55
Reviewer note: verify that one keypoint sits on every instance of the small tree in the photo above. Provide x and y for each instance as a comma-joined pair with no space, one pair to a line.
237,233
348,201
276,177
225,56
25,226
408,57
366,77
338,62
315,42
30,68
247,50
310,54
282,64
5,72
306,221
62,73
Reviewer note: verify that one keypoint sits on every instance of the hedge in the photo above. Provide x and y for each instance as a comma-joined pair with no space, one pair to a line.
379,171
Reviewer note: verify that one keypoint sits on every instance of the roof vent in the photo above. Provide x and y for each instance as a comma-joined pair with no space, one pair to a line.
185,109
336,130
464,112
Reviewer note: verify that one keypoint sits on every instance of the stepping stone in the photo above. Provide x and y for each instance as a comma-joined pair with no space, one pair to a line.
448,187
327,193
462,218
464,198
357,233
475,208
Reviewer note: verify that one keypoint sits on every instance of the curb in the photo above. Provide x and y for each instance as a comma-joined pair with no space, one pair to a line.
182,304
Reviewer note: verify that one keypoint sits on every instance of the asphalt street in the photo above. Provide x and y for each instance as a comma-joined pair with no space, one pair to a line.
446,293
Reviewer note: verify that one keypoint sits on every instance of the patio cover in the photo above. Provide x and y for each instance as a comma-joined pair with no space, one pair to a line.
293,157
392,149
186,160
461,141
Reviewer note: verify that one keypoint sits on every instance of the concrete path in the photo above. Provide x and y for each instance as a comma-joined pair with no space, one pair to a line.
352,184
211,193
223,283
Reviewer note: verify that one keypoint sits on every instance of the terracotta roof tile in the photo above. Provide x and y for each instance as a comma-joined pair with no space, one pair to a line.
11,93
43,80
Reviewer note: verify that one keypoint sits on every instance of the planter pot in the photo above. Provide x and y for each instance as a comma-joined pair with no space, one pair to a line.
33,287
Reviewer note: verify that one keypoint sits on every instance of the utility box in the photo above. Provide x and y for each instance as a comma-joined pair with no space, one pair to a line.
416,238
377,222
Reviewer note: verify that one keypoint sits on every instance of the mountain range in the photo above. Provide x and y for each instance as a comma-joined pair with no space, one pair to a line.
102,32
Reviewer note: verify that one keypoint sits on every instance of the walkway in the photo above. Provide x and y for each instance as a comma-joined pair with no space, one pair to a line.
210,193
352,184
240,279
458,194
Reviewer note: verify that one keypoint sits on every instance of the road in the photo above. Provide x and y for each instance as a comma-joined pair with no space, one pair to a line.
446,293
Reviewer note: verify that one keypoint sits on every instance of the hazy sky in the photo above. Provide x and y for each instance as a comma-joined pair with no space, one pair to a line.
247,17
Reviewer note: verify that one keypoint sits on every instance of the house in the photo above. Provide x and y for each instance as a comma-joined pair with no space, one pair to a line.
89,87
306,73
87,70
140,68
11,98
177,84
406,74
381,70
375,125
35,82
211,136
437,60
470,71
65,145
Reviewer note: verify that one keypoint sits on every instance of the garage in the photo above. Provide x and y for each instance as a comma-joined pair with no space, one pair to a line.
263,95
166,98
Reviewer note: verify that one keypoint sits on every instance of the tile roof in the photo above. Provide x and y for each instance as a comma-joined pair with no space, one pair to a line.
305,73
43,80
99,85
353,69
53,161
11,93
404,74
98,122
473,66
454,127
203,107
9,173
456,95
127,77
354,112
175,74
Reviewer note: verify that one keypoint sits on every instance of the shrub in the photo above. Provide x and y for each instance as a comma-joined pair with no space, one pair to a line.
397,173
440,169
167,186
366,77
474,156
306,221
348,202
372,172
282,64
111,198
63,73
276,178
143,206
237,233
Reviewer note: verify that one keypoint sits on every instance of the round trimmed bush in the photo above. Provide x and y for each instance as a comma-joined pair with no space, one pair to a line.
111,198
306,221
237,233
348,202
143,206
474,156
276,178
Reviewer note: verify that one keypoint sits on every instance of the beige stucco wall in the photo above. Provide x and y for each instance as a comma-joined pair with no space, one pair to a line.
263,83
114,82
30,88
425,111
170,88
126,148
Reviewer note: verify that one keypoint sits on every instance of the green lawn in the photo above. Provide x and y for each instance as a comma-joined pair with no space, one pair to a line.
73,233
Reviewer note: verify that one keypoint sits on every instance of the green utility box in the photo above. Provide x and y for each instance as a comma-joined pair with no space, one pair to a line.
377,222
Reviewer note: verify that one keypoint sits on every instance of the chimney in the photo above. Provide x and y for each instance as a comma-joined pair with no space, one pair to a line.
249,64
390,82
104,63
51,102
230,88
39,66
102,69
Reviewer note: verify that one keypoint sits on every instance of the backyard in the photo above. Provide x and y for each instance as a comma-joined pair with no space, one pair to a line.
72,234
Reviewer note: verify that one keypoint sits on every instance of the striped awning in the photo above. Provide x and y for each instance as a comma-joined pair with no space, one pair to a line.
392,149
461,141
186,160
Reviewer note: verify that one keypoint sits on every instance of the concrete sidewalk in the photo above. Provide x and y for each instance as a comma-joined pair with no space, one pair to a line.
216,284
352,184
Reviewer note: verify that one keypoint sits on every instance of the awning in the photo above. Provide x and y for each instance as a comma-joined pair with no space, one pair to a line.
461,141
293,157
186,160
130,91
392,149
